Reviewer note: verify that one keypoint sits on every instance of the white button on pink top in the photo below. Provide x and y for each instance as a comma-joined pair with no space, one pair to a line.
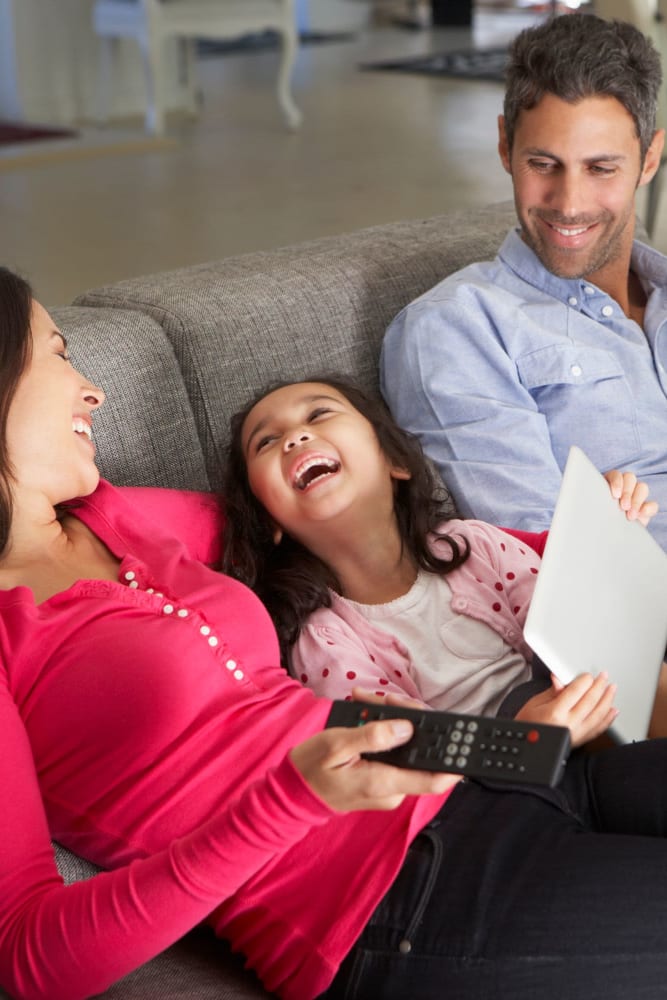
204,630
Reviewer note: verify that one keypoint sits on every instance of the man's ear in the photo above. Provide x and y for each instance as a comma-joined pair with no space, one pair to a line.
397,472
653,157
503,145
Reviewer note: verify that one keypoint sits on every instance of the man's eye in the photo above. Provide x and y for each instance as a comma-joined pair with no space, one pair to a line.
602,171
541,165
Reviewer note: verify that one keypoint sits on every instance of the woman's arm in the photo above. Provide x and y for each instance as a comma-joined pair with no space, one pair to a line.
67,942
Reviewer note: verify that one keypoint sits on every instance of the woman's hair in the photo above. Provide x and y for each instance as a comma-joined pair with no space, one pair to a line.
575,56
290,580
15,349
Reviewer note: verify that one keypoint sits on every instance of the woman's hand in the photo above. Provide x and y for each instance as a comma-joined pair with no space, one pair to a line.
584,706
631,496
332,764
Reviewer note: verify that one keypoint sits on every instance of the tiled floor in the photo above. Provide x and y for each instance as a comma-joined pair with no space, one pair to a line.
374,147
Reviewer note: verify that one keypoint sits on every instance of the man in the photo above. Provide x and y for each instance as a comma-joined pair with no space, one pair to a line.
563,338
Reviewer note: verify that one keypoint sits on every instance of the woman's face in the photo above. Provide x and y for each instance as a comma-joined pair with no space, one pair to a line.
49,426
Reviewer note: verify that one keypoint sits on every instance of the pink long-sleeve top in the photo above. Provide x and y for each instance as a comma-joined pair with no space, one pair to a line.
145,724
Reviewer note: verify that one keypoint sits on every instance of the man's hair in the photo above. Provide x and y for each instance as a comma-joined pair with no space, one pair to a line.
575,56
293,582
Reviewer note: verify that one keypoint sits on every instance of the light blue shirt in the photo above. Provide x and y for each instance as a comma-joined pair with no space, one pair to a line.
502,366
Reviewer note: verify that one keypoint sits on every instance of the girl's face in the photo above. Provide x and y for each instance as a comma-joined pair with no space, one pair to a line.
49,425
312,457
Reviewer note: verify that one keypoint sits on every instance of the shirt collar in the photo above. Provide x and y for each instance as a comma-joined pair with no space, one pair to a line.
649,264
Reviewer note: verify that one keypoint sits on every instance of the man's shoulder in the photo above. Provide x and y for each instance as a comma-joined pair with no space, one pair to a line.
478,282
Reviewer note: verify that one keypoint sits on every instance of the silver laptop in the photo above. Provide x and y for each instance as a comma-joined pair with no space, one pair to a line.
600,600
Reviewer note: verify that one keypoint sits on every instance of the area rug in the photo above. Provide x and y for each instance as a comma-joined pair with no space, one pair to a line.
12,133
473,64
260,41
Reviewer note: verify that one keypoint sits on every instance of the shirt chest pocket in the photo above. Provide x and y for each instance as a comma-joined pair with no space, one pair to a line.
586,399
468,639
567,364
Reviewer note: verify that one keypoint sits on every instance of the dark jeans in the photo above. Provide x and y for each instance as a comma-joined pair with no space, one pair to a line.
522,894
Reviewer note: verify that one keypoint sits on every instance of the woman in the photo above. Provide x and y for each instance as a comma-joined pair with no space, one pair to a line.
145,722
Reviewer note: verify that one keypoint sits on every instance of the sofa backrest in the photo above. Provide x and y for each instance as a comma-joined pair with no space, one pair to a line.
237,325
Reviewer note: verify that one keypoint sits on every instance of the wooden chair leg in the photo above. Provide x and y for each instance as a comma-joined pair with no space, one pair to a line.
292,115
108,57
151,54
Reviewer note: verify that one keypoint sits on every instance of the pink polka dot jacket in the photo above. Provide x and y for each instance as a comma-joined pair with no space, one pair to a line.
339,648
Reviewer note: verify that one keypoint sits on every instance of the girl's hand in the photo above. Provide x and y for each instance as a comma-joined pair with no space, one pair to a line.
332,764
584,706
631,496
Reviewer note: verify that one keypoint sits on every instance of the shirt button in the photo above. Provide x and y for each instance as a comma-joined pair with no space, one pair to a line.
167,609
238,674
231,664
212,641
205,630
572,300
151,590
607,310
129,575
589,290
133,584
182,613
576,370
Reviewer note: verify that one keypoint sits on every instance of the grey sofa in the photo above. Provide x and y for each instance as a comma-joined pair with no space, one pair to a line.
178,353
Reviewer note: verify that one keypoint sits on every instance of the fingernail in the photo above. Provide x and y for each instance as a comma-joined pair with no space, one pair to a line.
401,728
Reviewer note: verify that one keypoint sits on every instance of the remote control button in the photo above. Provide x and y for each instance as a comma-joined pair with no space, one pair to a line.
452,748
464,751
459,724
456,736
461,761
448,761
468,738
472,727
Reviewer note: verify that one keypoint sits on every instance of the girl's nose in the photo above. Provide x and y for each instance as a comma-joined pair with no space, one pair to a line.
298,437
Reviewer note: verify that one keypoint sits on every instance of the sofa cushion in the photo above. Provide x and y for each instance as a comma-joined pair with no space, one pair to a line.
238,324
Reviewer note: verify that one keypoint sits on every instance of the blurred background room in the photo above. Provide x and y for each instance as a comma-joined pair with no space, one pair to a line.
106,194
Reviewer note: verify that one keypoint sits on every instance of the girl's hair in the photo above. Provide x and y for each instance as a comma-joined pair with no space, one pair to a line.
290,580
15,349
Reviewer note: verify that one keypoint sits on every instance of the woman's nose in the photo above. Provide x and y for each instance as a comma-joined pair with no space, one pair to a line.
93,396
298,437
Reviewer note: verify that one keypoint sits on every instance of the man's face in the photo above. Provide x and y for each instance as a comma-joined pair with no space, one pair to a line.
575,169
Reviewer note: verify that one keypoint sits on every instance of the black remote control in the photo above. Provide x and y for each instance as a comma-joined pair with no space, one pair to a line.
474,745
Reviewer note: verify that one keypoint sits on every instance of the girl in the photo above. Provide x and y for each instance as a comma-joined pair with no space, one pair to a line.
337,521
